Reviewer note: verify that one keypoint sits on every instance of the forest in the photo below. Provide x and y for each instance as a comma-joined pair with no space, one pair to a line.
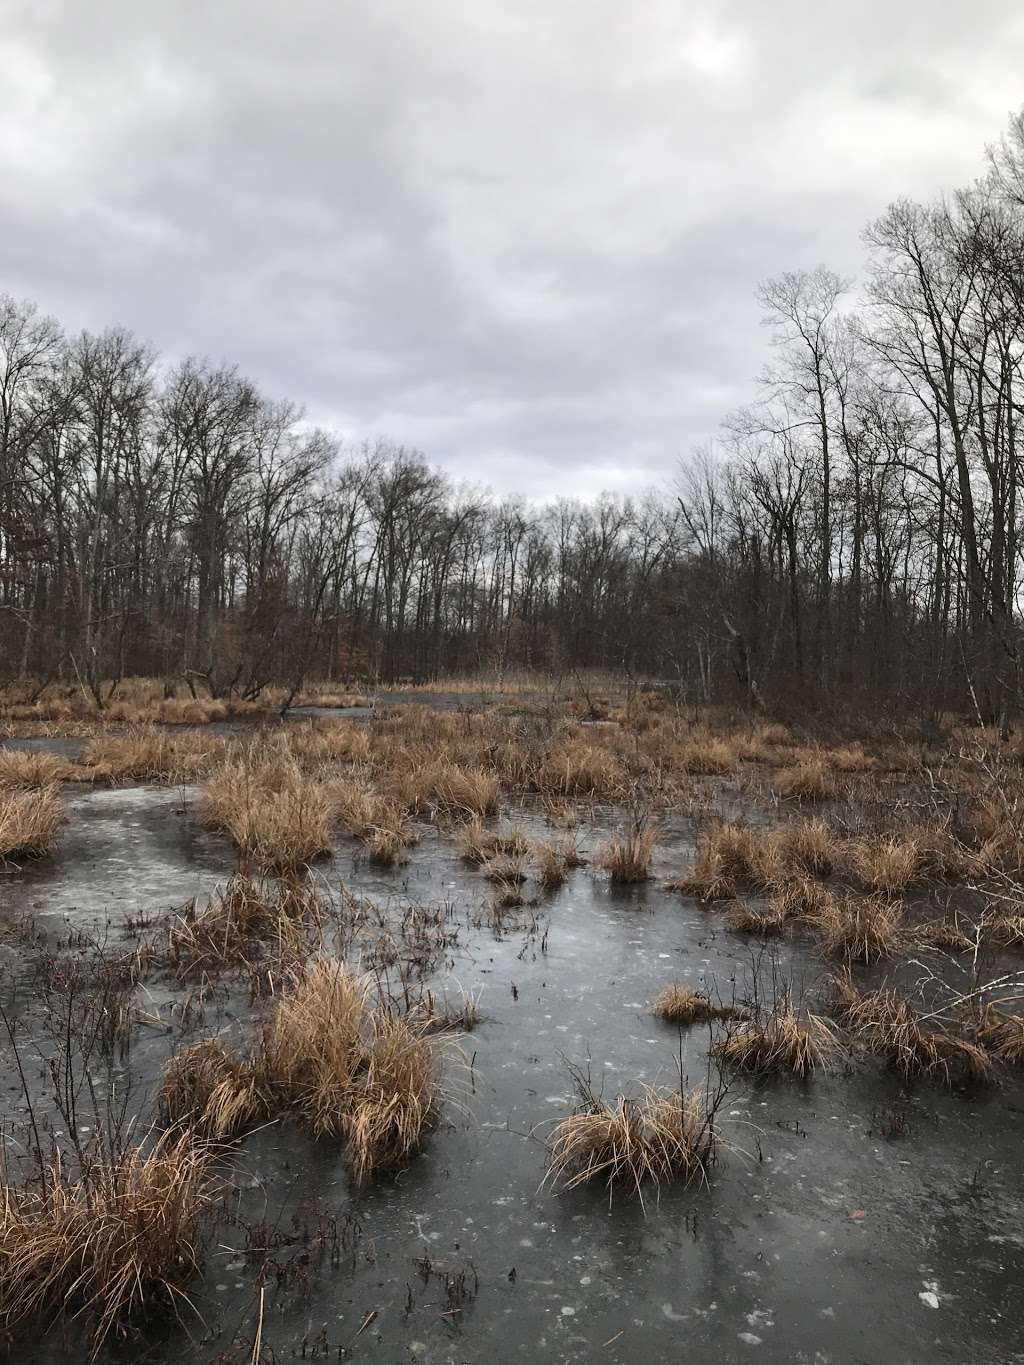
855,533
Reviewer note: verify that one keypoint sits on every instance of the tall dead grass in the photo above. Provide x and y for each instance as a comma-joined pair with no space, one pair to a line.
278,818
206,1092
146,754
626,856
779,1040
367,1076
122,1236
33,768
890,1027
665,1135
30,821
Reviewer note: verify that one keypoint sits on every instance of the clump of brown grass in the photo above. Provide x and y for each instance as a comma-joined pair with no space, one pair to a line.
367,1076
801,897
1007,930
665,1135
124,1235
481,845
278,818
890,1027
29,822
948,935
851,758
748,919
576,768
860,928
1002,1034
210,1093
809,779
239,916
33,768
554,861
887,864
442,788
626,856
148,754
730,857
703,755
779,1040
806,846
683,1005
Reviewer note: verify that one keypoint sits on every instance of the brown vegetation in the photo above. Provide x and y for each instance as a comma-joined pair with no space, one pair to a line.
279,819
29,822
779,1040
861,928
683,1005
123,1236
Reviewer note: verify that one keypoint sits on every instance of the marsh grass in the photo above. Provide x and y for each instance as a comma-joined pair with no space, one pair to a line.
891,1028
626,856
30,820
1002,1034
240,918
123,1235
860,928
682,1005
779,1040
147,754
278,818
809,779
33,768
750,919
663,1135
366,1076
208,1093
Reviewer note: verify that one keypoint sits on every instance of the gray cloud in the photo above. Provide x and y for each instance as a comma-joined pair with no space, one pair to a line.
522,237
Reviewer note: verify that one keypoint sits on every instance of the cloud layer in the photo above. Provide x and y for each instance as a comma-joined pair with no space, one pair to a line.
523,238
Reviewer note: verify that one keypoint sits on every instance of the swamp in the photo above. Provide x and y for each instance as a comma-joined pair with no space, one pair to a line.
559,1023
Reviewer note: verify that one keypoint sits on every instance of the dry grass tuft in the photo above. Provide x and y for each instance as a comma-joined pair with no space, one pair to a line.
239,916
806,846
683,1005
780,1041
367,1076
554,862
576,768
212,1094
747,919
888,864
890,1027
809,779
731,857
860,928
278,818
441,788
33,768
703,755
481,845
1002,1034
801,897
149,754
124,1236
626,856
29,822
665,1135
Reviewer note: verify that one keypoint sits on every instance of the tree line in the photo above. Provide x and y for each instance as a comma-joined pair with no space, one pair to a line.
855,536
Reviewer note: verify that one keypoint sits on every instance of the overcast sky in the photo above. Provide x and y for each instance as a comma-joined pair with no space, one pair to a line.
521,235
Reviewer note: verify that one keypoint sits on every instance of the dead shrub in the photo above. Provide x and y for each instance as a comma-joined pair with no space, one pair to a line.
123,1236
29,822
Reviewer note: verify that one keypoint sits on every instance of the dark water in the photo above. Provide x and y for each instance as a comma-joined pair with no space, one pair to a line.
818,1239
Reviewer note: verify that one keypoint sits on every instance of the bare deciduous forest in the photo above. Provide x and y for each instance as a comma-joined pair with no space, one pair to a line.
856,538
